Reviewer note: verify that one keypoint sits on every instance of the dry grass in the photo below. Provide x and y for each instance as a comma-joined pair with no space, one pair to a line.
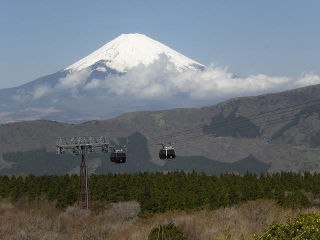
40,220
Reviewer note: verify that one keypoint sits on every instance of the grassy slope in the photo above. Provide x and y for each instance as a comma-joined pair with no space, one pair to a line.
40,220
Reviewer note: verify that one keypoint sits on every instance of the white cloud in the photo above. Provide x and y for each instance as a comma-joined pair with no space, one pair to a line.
160,80
41,91
307,79
93,84
144,82
74,79
215,82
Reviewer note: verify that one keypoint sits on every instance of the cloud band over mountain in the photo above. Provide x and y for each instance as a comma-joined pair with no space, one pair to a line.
161,80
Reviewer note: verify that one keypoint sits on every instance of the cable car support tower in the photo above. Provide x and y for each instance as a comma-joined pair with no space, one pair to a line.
82,146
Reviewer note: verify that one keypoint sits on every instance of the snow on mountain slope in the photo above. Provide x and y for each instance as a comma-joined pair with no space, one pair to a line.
130,50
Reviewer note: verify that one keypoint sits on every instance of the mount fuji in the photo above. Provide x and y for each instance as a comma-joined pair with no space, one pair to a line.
130,50
130,73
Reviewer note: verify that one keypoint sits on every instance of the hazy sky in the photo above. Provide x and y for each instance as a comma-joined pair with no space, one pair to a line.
273,37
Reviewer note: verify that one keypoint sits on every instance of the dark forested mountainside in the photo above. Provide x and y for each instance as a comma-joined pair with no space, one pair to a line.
280,131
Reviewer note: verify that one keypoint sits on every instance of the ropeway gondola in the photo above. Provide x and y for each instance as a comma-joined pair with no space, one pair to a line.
167,152
118,155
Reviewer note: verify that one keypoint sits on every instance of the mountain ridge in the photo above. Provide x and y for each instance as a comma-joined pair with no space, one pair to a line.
195,132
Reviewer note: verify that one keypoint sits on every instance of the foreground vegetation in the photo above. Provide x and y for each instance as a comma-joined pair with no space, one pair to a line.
302,227
137,206
41,220
159,192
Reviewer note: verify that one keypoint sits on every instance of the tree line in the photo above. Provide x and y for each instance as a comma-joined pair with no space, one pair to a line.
160,192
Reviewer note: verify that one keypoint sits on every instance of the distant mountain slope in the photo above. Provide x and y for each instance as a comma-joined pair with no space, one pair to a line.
280,131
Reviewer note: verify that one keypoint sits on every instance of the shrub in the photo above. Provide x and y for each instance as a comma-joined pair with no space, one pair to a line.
166,232
303,227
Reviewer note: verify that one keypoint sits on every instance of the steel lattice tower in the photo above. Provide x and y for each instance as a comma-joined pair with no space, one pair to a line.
83,145
83,192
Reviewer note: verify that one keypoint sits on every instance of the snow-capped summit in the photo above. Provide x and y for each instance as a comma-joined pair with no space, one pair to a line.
130,50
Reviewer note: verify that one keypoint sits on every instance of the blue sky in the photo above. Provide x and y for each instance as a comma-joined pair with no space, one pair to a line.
277,38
